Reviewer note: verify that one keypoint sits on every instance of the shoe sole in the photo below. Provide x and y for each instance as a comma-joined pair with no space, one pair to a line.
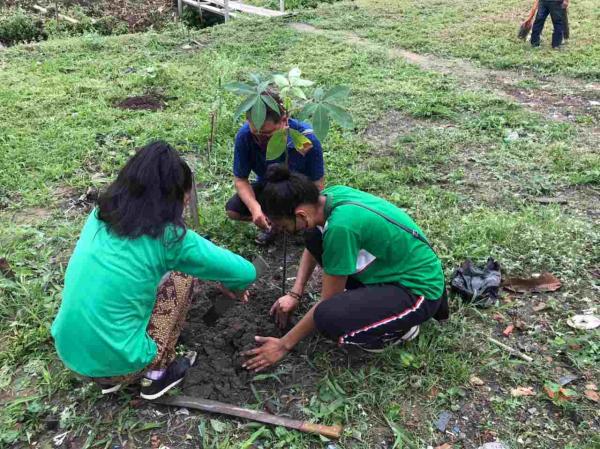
151,397
191,356
409,336
112,389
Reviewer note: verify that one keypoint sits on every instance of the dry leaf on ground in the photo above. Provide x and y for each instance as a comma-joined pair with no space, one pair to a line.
592,395
474,380
444,446
546,282
591,387
509,330
522,391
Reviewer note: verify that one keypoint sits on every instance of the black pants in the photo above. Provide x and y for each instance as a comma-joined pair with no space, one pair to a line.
557,14
235,203
370,313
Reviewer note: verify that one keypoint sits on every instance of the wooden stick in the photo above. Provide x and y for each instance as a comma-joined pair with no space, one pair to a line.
254,415
195,215
284,267
511,350
62,16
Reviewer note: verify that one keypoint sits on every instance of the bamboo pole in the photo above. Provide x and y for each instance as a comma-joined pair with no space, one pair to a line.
61,16
226,4
254,415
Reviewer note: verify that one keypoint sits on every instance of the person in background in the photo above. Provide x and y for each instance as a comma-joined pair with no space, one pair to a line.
557,9
131,278
381,278
250,156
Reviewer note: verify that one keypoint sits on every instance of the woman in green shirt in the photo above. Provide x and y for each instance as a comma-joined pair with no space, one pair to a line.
381,278
130,280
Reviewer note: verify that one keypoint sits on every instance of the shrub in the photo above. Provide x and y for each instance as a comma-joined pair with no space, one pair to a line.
19,27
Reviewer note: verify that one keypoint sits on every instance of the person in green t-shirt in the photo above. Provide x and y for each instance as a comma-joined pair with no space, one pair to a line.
130,280
381,278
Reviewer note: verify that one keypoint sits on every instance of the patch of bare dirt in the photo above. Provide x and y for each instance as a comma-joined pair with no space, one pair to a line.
557,98
150,102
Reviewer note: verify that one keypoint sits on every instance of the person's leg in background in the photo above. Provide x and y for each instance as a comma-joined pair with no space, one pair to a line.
557,14
373,316
538,24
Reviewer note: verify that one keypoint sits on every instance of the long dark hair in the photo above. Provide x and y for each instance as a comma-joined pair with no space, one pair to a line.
284,191
148,194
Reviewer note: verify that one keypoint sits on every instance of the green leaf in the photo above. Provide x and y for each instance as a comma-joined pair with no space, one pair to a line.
217,425
246,104
301,142
320,122
256,78
302,83
295,73
298,92
343,118
276,146
258,113
280,80
318,94
307,111
337,93
271,103
240,88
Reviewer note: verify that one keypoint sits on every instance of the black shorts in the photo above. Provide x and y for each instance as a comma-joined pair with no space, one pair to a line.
235,203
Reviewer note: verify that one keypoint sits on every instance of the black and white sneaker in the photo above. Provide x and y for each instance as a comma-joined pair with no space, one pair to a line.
380,346
108,388
174,374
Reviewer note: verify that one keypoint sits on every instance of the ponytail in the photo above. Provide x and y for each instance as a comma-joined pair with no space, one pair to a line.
284,191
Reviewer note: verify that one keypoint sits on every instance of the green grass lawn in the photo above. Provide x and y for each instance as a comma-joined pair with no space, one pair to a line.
449,162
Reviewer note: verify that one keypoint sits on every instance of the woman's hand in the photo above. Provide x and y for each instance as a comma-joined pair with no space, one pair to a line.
282,309
243,296
270,351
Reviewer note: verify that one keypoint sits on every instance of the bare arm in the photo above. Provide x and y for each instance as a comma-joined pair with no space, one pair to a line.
246,194
274,349
332,285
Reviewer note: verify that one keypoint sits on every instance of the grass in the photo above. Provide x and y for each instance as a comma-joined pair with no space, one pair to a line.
451,166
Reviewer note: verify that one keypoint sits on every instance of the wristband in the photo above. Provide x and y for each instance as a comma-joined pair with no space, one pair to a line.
295,295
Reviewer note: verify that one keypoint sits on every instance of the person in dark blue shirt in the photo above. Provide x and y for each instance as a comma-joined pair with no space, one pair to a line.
250,157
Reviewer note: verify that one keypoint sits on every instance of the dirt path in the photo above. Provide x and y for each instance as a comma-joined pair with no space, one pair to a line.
557,98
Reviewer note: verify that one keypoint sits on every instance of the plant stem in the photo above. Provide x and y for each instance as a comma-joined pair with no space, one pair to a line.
284,274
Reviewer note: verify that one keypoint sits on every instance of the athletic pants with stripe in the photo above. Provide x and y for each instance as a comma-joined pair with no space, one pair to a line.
368,313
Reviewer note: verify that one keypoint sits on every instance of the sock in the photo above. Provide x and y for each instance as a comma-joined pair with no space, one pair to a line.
154,374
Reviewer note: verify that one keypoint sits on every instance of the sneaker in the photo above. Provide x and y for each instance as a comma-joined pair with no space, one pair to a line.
108,388
174,374
265,238
380,345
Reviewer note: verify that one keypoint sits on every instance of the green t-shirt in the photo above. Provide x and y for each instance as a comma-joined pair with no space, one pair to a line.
110,292
360,243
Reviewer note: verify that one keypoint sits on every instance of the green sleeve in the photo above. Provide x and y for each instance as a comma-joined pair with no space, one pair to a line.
200,258
340,250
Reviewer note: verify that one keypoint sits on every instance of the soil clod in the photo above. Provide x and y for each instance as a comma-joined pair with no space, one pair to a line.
150,102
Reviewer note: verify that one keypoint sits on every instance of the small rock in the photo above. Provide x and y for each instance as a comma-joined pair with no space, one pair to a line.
512,136
443,420
532,410
564,380
493,445
594,103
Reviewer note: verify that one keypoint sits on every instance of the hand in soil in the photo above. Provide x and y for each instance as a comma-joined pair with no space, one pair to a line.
282,310
271,351
243,296
261,221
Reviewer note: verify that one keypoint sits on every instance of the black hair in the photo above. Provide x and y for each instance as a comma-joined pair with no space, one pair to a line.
284,191
148,194
271,115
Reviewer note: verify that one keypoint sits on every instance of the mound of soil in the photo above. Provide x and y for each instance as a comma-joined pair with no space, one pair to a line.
151,102
219,329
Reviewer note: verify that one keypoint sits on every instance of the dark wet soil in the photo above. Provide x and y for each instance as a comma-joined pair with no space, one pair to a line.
151,102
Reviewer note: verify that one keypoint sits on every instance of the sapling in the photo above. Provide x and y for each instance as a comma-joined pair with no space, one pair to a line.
319,106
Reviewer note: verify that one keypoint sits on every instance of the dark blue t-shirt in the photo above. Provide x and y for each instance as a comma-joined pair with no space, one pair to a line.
249,157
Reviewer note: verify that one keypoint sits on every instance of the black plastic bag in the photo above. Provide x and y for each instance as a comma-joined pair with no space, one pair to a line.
477,285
